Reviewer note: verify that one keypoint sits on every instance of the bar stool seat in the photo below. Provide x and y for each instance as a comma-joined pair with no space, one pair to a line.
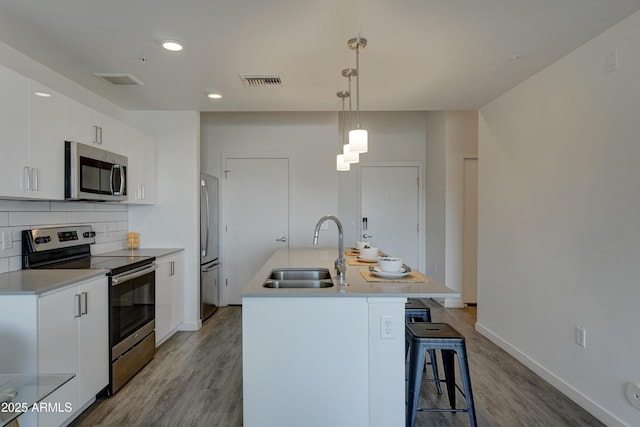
424,337
416,311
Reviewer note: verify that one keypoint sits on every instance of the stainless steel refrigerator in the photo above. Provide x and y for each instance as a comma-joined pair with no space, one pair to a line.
209,247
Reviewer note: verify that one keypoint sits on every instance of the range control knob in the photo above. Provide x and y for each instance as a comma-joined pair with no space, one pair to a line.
42,239
88,234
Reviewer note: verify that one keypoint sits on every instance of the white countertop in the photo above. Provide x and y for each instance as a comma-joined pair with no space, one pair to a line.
22,282
357,286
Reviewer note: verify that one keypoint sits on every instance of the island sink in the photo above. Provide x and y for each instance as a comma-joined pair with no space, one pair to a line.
299,278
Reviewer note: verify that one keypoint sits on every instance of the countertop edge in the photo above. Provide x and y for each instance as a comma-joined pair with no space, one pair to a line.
34,285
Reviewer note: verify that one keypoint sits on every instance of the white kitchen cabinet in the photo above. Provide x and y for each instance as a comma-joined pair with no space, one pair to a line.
46,142
88,126
140,150
62,331
32,144
14,132
169,298
73,338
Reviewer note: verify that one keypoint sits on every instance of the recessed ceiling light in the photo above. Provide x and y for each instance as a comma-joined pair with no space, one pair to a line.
172,45
214,95
42,94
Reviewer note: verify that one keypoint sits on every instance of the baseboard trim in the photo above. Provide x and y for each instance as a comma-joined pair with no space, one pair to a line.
565,388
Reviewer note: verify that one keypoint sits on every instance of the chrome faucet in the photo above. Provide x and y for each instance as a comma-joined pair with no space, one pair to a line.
341,266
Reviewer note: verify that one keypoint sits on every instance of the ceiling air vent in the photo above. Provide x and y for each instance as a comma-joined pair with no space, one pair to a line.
261,80
119,78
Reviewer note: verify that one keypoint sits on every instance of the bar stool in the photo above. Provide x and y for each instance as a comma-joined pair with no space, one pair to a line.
416,311
437,336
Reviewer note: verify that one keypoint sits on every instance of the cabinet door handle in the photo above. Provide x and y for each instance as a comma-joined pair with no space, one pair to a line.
142,192
173,268
95,134
34,179
78,305
26,173
83,304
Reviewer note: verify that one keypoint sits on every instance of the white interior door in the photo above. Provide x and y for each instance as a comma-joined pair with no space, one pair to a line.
470,233
390,201
257,220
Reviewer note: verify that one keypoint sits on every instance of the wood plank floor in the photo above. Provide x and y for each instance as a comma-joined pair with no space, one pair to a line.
195,379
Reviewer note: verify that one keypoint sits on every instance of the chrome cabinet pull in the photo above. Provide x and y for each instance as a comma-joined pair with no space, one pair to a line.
34,179
27,178
95,134
78,305
83,304
283,239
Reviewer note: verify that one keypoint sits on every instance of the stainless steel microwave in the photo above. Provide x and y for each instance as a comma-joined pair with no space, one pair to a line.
92,173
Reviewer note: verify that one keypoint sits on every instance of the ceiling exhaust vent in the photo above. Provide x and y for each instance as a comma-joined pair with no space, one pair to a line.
119,78
261,80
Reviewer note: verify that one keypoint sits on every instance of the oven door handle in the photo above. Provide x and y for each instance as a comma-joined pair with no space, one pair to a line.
116,280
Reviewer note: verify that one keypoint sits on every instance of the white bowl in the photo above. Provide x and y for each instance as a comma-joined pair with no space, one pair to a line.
390,264
369,252
360,245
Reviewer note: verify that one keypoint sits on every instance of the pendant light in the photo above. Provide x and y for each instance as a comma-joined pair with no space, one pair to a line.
341,163
358,137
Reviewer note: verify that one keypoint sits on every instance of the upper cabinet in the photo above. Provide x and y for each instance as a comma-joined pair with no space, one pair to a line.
14,132
31,138
46,142
34,123
91,127
140,150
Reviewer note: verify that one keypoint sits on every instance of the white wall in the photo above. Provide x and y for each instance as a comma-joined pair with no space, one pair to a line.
309,139
174,220
558,222
451,137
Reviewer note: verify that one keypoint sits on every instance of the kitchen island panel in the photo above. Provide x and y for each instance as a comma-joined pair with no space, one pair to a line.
306,362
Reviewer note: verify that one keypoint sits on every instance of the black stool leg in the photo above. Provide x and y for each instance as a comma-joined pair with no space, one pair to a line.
416,364
450,375
466,383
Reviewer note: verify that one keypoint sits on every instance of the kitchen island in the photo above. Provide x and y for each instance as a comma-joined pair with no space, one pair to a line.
326,356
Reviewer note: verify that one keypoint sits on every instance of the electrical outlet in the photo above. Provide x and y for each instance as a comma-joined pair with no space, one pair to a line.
7,243
633,394
386,327
581,336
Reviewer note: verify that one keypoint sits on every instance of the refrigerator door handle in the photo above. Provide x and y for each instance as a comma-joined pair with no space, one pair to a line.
204,250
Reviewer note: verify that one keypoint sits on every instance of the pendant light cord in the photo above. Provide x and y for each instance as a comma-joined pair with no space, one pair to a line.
357,87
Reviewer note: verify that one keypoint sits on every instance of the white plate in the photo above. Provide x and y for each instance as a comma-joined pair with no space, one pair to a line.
390,274
365,259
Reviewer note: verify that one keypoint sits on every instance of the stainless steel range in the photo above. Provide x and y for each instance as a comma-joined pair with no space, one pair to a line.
131,292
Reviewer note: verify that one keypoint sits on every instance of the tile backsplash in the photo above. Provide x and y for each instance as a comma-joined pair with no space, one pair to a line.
109,221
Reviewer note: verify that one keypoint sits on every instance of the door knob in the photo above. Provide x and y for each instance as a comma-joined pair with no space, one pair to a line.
282,239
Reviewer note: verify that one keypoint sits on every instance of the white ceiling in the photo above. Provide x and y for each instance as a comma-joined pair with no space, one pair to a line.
421,54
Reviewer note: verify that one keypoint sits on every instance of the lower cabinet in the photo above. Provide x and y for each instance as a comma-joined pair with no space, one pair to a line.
169,295
70,335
